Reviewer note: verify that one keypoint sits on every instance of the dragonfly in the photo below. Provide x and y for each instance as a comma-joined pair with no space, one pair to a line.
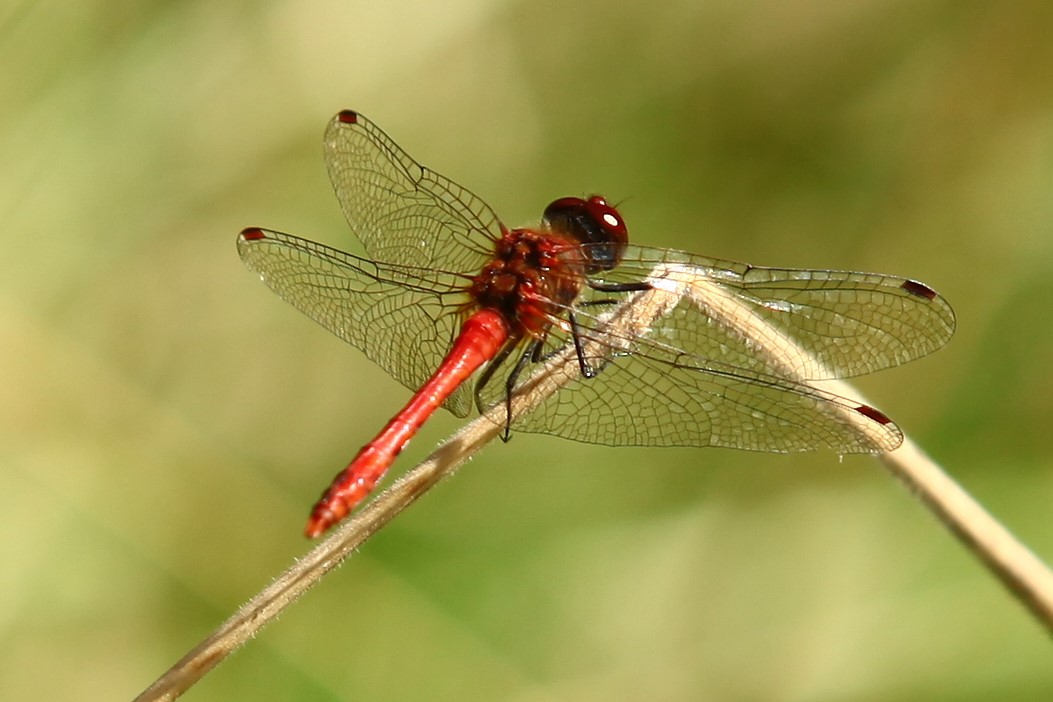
462,309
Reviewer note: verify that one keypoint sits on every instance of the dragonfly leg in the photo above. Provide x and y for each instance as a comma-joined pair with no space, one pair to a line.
491,368
639,286
587,371
532,350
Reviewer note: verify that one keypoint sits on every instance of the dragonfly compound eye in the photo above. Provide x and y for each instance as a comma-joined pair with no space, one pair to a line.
593,223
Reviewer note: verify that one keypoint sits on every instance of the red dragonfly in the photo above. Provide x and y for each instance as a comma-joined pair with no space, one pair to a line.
448,290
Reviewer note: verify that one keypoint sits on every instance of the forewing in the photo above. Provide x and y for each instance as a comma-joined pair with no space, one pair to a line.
847,323
401,211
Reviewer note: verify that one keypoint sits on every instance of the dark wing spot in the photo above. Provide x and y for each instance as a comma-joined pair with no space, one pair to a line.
919,289
873,413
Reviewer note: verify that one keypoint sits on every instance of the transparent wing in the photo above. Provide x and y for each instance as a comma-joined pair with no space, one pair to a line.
849,323
651,394
401,211
403,318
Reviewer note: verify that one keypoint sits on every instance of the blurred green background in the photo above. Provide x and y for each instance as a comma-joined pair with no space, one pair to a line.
167,421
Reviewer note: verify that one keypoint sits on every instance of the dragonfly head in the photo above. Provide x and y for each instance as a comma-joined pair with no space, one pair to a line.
591,222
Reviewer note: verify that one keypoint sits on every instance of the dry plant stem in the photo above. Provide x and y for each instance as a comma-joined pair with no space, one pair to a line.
1025,575
1010,561
327,555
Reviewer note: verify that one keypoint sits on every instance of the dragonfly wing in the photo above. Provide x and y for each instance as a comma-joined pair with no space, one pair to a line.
648,393
401,211
403,318
846,323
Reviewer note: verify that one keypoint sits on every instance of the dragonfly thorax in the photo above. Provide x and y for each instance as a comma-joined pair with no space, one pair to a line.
531,277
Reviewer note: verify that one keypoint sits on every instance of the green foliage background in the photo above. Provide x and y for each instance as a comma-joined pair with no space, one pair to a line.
167,421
